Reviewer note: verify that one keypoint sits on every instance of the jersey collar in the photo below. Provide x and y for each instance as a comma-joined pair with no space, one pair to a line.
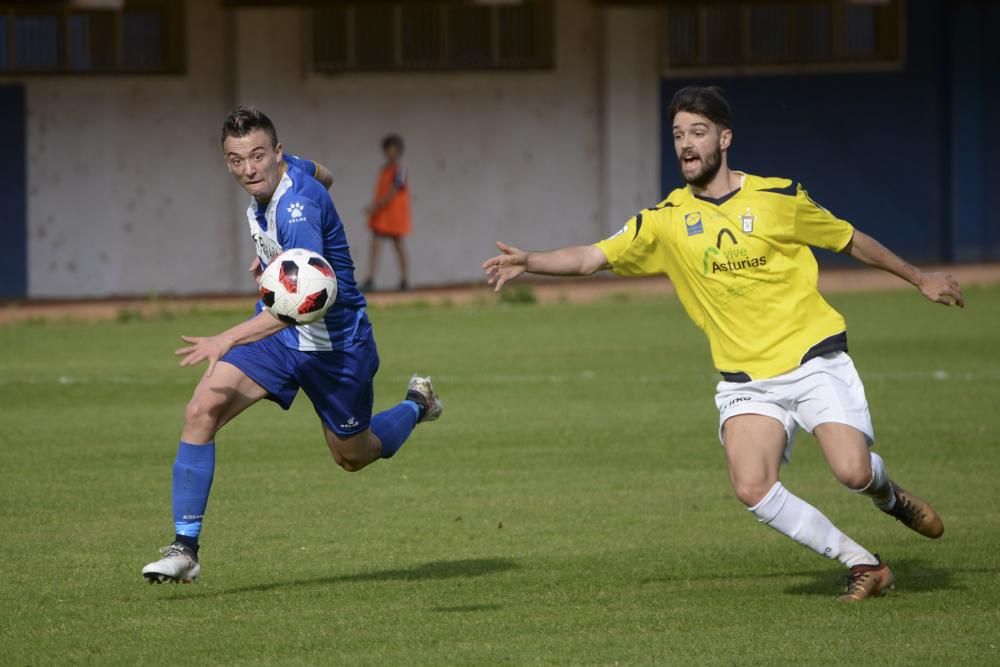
724,198
283,185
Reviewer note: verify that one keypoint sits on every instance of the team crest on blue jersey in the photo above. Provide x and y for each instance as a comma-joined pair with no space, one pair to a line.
296,211
693,223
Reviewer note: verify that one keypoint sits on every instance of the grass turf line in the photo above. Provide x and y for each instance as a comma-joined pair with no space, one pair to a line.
571,507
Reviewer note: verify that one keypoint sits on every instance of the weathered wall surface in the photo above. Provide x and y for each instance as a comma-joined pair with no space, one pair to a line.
128,194
516,156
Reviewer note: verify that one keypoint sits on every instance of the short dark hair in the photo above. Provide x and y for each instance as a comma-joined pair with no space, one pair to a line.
392,140
241,121
707,101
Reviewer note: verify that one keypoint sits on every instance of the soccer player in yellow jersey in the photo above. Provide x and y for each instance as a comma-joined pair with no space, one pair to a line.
737,248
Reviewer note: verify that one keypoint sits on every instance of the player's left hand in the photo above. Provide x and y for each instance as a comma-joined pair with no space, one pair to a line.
941,288
506,266
255,270
201,348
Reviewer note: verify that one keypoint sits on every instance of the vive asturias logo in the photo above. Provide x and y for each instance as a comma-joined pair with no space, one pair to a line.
733,258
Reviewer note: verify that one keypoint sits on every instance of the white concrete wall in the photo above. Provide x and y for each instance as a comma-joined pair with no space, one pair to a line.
121,199
499,155
128,193
631,113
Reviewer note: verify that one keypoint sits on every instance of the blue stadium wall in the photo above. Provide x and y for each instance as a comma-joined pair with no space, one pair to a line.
906,155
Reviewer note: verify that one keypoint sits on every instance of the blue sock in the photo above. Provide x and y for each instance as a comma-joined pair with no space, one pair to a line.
394,426
193,473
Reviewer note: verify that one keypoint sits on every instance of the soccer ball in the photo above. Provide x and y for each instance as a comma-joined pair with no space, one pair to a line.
298,286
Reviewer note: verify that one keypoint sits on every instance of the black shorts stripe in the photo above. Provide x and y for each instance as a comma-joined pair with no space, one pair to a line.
834,343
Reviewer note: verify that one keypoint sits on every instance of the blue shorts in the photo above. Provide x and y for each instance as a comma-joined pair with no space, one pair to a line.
339,383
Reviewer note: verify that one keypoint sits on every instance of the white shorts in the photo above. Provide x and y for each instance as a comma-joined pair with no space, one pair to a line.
824,389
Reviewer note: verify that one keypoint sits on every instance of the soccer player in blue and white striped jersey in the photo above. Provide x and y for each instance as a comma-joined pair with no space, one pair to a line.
333,360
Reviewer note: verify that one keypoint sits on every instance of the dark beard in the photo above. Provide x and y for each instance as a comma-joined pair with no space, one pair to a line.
710,167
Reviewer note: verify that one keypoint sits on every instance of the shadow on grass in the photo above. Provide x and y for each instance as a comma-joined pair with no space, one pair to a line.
912,576
442,569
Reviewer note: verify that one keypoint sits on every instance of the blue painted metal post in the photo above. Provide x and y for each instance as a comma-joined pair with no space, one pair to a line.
13,194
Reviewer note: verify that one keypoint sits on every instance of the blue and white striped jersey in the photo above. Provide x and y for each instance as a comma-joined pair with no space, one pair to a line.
301,214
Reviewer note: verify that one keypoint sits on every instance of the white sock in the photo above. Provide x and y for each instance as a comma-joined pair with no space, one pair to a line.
794,517
880,489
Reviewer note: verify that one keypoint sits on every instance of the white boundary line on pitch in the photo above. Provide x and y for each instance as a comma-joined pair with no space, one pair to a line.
582,377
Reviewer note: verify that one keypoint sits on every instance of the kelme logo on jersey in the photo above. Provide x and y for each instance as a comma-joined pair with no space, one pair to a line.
693,223
296,212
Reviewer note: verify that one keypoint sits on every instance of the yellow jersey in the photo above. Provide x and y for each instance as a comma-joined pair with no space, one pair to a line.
743,271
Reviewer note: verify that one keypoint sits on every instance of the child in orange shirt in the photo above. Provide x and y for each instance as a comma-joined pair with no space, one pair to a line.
389,213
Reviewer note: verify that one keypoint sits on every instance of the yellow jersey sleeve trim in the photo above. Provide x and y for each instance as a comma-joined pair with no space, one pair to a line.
616,245
818,227
636,250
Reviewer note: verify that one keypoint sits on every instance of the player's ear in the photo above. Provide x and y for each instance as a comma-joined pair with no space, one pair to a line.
280,151
725,138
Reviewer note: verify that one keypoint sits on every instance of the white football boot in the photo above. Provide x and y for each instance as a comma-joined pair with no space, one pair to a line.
179,565
421,391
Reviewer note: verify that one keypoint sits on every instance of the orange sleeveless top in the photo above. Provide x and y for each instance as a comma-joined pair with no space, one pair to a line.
394,218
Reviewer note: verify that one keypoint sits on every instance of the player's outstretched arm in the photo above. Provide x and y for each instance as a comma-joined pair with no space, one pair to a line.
938,287
581,260
212,348
324,175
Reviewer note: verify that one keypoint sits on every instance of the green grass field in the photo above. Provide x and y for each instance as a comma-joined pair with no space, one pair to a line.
571,507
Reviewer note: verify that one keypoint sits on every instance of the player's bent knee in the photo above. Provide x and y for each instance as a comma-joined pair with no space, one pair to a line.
751,493
348,462
855,477
199,413
354,452
205,411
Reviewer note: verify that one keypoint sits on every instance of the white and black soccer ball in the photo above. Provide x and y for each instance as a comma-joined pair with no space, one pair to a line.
298,286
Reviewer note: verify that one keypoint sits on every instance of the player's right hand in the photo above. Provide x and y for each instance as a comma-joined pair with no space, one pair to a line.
203,348
506,266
